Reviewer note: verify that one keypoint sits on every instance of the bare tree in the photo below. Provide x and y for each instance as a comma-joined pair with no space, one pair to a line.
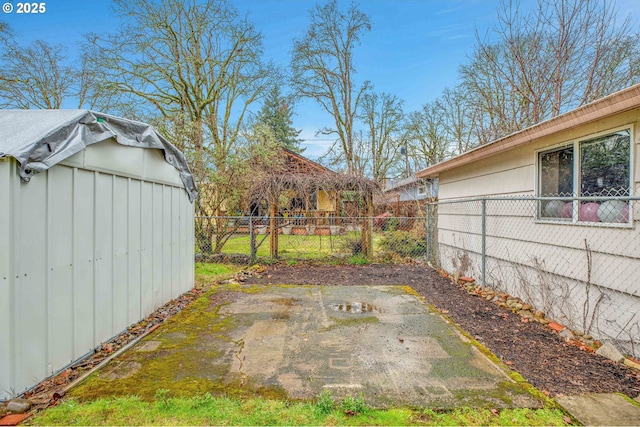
40,75
426,135
254,157
383,119
198,65
459,120
538,65
5,30
323,69
37,75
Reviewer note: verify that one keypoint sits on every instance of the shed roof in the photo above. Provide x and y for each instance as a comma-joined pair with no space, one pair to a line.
619,102
40,139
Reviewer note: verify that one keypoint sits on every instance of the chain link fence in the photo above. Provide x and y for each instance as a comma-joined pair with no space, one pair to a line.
355,239
576,259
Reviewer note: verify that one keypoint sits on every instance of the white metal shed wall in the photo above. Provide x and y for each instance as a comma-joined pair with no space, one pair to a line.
86,251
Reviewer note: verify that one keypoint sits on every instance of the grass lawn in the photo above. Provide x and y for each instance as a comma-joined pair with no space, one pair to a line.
210,410
207,273
297,246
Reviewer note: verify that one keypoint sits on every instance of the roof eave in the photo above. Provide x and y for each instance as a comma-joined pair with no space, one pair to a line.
616,103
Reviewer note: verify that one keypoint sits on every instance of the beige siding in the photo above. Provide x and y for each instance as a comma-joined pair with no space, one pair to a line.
507,174
540,260
513,172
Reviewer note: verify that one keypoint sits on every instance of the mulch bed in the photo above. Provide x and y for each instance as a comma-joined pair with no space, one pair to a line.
533,350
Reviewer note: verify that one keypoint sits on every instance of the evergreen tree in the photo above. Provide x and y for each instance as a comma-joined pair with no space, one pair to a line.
276,114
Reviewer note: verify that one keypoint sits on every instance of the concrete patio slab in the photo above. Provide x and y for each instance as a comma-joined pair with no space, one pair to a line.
295,341
605,409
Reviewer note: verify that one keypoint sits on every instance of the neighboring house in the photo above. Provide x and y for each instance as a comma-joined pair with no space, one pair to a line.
406,197
576,259
319,203
97,222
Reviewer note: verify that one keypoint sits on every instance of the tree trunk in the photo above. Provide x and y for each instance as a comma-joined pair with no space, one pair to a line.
367,228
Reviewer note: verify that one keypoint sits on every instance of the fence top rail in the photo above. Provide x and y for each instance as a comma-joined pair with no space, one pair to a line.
538,198
296,218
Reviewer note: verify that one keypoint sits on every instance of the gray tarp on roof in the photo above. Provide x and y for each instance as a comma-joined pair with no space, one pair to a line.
40,139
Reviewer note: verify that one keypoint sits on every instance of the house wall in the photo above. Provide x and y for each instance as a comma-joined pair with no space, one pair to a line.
540,261
513,172
325,203
89,247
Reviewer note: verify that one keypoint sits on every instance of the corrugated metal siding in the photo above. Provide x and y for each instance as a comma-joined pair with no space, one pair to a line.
83,254
6,291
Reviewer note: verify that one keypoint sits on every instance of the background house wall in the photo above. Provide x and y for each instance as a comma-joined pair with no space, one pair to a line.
89,247
580,274
325,202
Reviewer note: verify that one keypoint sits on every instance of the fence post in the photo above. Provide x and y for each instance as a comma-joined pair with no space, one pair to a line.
252,241
428,225
484,242
371,254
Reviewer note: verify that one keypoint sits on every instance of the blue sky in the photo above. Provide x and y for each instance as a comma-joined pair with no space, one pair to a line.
413,50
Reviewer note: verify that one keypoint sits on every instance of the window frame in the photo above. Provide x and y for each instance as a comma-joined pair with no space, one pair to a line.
577,176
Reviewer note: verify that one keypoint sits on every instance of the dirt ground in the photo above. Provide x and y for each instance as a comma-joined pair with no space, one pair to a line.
533,350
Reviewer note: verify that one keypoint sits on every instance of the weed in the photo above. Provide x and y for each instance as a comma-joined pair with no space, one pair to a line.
202,401
354,405
324,404
292,262
162,394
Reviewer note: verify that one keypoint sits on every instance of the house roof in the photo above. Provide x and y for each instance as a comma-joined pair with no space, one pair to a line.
40,139
297,163
624,100
401,182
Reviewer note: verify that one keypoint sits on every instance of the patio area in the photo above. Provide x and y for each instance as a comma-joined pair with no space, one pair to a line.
293,342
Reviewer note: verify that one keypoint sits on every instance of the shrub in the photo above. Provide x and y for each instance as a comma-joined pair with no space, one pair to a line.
390,225
403,243
352,244
354,405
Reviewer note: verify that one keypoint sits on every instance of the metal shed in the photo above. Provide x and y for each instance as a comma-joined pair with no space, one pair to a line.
97,232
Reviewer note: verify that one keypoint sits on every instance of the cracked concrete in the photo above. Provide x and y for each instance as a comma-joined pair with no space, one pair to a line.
380,341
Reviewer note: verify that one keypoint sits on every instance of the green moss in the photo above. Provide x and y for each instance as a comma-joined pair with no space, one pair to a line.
253,289
493,397
188,342
628,399
517,377
409,290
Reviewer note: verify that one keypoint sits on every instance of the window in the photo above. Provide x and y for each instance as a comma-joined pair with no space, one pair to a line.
598,167
422,190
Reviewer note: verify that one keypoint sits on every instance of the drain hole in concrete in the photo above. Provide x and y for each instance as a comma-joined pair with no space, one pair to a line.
355,307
